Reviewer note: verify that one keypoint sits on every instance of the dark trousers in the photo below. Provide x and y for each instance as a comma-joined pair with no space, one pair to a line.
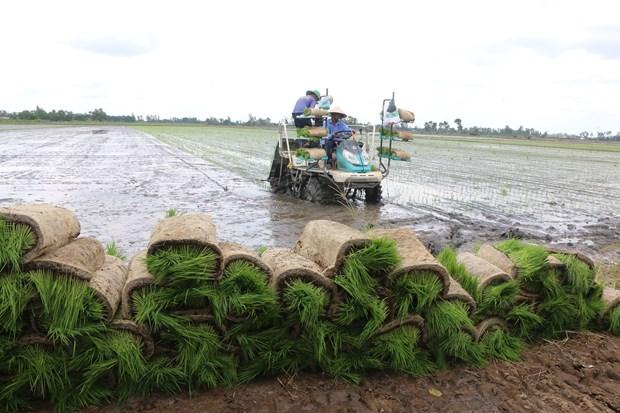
330,145
301,122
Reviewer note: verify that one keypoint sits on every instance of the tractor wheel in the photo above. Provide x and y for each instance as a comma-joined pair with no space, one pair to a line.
373,195
318,190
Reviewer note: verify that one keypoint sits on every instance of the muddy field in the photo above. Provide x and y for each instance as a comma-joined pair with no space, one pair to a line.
578,375
120,181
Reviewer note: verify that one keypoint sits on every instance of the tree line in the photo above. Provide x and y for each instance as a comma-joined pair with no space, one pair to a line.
430,127
99,115
444,128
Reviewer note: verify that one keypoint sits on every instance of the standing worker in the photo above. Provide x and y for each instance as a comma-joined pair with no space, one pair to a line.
308,101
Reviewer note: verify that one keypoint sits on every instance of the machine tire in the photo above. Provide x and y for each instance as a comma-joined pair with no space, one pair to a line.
317,190
373,195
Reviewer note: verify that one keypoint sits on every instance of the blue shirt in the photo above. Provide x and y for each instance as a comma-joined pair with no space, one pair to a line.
332,128
304,102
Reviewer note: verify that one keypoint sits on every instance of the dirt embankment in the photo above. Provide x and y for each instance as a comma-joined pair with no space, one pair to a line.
580,374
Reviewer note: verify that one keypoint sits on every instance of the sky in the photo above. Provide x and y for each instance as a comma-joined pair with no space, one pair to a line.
548,64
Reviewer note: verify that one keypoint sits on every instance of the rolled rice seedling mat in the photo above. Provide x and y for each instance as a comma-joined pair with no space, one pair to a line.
51,226
66,309
80,258
362,305
500,300
496,291
401,154
328,243
496,340
404,135
316,112
451,333
147,344
399,347
610,313
494,256
406,115
418,279
570,300
195,230
459,294
291,269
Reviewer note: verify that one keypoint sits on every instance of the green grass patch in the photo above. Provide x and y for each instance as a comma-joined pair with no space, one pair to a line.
114,250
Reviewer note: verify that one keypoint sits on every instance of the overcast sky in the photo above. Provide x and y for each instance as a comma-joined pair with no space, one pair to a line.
552,65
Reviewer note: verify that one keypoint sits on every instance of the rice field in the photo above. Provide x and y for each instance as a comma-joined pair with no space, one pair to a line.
547,183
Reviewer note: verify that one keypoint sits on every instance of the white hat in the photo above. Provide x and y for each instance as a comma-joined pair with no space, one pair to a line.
337,109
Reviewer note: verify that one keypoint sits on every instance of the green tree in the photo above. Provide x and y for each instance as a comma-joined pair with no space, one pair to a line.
459,124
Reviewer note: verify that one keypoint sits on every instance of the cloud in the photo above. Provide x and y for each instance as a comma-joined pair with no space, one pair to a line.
116,46
601,41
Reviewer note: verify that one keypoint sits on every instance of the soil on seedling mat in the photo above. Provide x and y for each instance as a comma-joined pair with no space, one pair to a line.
579,374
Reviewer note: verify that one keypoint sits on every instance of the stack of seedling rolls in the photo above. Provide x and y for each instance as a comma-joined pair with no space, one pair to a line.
58,298
78,327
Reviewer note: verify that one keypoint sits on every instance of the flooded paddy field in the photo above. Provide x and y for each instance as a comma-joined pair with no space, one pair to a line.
121,180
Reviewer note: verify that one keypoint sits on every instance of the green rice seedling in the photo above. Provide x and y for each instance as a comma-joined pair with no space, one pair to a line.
500,345
588,306
497,299
413,293
446,317
447,258
378,258
69,308
117,354
171,212
580,277
350,366
277,354
35,372
114,250
559,314
15,240
152,309
369,314
261,250
524,321
531,262
613,321
202,361
305,302
446,323
182,266
399,350
244,292
15,293
162,376
461,345
302,153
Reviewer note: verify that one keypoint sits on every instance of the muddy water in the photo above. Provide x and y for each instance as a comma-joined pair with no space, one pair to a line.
121,182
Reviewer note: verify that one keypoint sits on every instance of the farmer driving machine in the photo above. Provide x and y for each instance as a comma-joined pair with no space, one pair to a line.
301,167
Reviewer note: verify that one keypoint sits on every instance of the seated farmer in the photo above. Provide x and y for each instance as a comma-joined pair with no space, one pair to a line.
335,125
308,101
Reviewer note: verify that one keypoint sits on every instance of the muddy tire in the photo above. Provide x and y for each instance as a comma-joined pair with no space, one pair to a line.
318,190
373,195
